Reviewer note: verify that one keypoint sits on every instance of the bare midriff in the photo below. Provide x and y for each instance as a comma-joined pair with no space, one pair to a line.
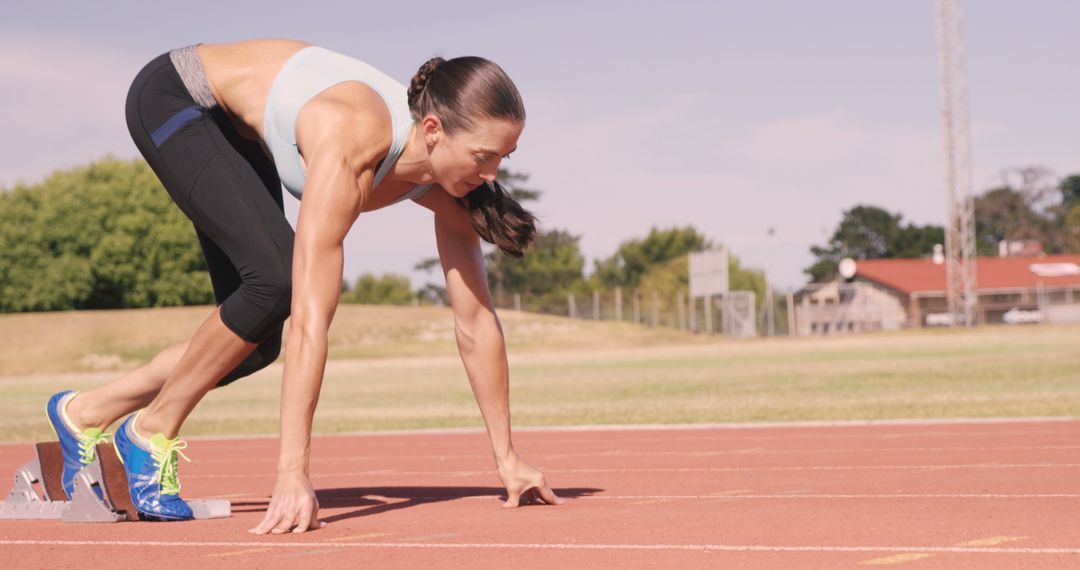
240,75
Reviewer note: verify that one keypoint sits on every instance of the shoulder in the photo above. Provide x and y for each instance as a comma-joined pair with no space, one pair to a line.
348,119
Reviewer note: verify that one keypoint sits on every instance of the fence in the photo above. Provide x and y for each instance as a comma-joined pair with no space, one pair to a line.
734,314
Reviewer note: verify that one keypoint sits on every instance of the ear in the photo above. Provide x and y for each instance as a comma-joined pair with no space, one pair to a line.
432,129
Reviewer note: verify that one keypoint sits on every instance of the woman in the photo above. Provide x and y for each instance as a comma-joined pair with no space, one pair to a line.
224,127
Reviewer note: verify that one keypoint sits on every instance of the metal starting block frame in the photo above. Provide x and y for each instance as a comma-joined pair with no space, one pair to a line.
101,491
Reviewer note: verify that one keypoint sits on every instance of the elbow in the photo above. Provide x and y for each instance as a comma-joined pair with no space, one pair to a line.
308,331
475,333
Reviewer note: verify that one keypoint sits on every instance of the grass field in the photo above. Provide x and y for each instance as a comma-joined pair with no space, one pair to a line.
397,367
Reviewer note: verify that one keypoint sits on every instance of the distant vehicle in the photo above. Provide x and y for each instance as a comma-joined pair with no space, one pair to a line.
1016,316
939,320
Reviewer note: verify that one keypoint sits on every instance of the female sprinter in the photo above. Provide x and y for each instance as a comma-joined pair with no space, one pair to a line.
224,127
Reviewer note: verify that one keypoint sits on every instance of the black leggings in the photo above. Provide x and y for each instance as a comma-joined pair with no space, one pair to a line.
230,190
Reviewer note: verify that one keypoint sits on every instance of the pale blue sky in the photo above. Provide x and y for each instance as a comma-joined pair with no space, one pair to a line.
730,116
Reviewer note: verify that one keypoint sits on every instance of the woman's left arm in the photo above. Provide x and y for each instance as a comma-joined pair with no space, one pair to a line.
481,343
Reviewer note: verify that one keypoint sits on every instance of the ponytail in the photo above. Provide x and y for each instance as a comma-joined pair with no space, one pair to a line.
498,219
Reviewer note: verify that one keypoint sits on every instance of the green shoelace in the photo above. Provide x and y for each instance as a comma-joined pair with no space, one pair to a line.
166,452
88,442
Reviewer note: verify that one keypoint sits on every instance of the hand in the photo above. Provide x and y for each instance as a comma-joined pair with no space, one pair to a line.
293,506
524,480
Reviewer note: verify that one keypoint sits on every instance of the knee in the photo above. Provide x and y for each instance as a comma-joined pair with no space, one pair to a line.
272,294
264,355
279,304
260,305
269,349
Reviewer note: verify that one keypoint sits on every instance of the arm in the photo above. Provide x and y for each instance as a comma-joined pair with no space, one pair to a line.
338,184
318,259
477,329
480,340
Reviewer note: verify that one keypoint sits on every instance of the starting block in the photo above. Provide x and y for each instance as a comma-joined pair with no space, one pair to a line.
101,491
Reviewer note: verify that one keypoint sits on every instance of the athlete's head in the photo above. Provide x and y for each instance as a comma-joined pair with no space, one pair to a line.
471,115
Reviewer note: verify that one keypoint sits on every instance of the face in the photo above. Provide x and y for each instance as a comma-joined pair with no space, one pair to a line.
467,159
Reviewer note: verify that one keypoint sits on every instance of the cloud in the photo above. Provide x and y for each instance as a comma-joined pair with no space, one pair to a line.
814,139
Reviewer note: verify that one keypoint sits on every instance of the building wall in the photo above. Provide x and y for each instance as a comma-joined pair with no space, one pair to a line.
1059,304
839,308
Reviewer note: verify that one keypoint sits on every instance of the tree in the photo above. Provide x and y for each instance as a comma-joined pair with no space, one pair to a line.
870,232
668,278
105,235
497,263
1070,191
388,289
515,182
635,257
433,292
554,265
1030,204
1006,214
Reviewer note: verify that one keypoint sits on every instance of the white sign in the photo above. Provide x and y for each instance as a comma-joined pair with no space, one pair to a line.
708,273
1054,269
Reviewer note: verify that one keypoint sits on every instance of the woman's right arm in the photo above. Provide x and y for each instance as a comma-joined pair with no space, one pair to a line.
338,183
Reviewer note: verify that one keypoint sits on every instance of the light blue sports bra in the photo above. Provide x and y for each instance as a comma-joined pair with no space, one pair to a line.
309,72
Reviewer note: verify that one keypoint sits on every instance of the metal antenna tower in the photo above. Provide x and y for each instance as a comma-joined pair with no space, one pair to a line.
960,224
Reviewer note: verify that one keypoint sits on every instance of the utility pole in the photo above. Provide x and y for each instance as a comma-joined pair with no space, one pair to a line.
770,308
960,255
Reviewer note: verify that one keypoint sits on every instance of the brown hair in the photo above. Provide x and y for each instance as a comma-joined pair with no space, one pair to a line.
460,92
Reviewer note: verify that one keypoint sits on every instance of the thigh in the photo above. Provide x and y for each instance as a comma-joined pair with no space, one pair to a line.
233,200
224,275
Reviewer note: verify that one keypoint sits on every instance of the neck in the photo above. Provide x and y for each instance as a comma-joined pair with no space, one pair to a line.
413,164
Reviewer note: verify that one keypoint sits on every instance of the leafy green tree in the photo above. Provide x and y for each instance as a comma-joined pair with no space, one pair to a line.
497,264
1006,214
552,268
388,289
516,183
636,256
432,292
554,264
1067,214
105,235
671,277
869,232
1070,191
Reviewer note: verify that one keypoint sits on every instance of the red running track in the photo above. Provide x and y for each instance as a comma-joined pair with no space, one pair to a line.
1002,494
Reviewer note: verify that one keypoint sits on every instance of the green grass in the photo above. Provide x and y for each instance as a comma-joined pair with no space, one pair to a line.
396,368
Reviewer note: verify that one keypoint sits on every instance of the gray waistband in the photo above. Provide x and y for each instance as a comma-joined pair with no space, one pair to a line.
190,68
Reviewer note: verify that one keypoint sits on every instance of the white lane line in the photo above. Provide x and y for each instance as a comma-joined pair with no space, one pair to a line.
753,497
802,496
464,473
714,497
540,457
732,426
865,436
434,457
545,546
696,426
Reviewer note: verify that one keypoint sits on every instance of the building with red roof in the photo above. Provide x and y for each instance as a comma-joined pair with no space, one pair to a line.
886,294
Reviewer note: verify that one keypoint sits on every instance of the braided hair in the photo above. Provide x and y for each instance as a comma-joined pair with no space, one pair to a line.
461,92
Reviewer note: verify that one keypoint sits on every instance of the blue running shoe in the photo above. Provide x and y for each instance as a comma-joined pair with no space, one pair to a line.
79,448
151,468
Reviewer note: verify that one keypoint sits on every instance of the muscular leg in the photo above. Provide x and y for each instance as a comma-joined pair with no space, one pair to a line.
231,192
102,406
212,353
135,390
